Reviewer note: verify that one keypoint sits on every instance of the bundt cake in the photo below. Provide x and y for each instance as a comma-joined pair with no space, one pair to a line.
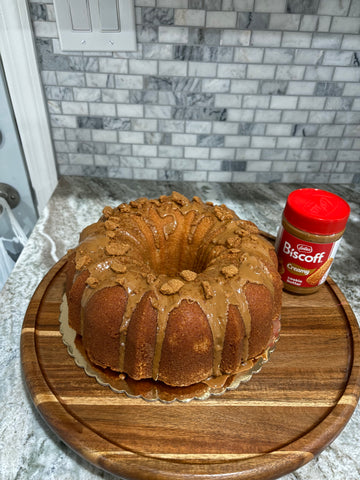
174,290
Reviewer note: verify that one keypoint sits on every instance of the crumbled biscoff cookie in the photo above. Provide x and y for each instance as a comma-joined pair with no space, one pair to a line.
171,287
188,275
107,211
178,198
150,278
233,241
117,248
222,212
247,226
208,291
124,208
109,225
82,262
242,232
229,271
110,234
118,267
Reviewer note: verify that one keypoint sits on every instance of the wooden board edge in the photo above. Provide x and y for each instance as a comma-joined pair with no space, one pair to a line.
29,362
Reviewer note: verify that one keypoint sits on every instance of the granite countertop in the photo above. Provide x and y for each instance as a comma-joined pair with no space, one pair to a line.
28,447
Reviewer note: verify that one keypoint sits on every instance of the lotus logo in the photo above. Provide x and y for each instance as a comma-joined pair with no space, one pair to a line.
304,248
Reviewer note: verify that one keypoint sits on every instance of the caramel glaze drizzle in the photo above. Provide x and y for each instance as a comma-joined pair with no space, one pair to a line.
150,244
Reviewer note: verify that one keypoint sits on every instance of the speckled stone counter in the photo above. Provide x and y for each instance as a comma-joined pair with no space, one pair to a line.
28,447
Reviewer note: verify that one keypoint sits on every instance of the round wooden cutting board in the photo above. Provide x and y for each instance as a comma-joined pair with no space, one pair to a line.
288,412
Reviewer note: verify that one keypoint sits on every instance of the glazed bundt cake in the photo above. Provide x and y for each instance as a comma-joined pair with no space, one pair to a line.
174,290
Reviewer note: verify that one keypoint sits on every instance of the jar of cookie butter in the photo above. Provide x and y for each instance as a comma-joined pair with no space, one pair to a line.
313,223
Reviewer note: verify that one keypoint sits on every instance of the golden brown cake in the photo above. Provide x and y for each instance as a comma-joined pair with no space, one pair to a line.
174,290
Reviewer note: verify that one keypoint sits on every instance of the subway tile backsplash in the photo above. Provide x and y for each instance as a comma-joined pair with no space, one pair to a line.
217,90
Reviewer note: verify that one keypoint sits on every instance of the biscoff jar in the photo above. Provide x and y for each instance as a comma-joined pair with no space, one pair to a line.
313,223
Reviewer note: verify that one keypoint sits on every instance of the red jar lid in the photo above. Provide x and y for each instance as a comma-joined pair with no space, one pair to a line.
316,211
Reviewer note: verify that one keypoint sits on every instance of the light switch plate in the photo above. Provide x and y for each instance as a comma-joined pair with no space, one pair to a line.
96,25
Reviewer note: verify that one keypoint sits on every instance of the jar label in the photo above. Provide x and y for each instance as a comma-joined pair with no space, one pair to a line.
301,263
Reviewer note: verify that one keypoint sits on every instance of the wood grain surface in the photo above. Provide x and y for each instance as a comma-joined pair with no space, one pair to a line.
289,411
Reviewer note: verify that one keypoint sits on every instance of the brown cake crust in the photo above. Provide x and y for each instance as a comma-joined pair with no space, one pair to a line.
141,339
187,349
173,289
233,350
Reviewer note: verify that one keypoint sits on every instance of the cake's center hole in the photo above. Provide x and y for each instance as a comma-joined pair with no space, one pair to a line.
173,261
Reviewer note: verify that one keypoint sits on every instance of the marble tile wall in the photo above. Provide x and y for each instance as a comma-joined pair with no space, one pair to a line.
218,90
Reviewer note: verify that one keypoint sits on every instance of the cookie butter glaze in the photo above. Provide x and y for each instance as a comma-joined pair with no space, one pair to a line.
177,250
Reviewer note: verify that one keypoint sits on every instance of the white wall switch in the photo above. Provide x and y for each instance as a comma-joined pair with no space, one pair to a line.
96,25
